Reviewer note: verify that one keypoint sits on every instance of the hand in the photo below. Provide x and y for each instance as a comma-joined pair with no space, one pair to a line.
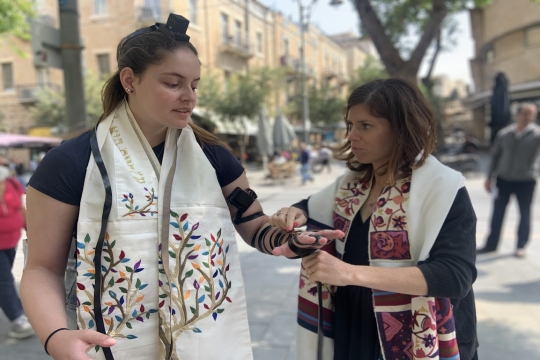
487,185
306,239
288,218
328,269
73,344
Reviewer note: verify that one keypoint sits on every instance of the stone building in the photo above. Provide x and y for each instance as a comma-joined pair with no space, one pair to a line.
231,36
507,40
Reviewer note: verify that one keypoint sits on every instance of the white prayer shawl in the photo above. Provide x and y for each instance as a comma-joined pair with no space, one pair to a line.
433,188
201,310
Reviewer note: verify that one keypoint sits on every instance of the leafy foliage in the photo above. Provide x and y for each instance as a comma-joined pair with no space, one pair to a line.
14,17
371,69
50,109
326,106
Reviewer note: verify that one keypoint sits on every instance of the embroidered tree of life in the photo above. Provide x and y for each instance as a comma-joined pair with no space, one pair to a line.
120,283
207,275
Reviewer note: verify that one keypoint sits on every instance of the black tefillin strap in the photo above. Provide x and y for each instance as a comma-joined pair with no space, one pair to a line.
107,205
303,251
175,28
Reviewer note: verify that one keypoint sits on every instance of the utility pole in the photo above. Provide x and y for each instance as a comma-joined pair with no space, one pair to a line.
71,51
305,12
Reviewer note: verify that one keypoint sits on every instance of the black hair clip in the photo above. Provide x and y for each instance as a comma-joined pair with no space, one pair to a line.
175,27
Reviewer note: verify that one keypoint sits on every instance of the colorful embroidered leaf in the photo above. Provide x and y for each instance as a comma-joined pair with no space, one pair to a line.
161,271
80,286
214,315
189,273
177,237
186,226
91,324
87,238
163,296
112,294
227,249
134,313
161,304
123,289
189,245
103,268
140,318
137,264
113,270
219,262
183,217
187,294
220,284
193,257
139,270
207,288
213,238
228,299
196,248
195,227
174,224
219,234
148,315
151,311
208,243
173,214
227,268
213,256
118,318
122,255
196,285
230,282
131,337
141,309
215,274
111,282
172,254
197,330
129,269
86,308
206,265
111,310
80,245
120,280
195,237
107,321
128,325
217,295
123,261
206,307
205,253
201,299
143,286
122,300
201,279
129,207
219,311
140,298
138,283
195,266
87,303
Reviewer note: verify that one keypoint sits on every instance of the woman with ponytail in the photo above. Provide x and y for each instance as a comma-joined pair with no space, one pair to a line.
142,208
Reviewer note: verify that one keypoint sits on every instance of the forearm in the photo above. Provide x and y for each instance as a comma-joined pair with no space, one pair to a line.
43,297
409,280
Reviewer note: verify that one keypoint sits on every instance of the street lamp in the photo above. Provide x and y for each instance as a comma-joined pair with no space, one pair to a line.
305,13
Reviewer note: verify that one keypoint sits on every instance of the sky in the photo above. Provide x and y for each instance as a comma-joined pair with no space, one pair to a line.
344,18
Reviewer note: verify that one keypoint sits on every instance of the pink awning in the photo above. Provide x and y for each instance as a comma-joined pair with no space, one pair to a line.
16,140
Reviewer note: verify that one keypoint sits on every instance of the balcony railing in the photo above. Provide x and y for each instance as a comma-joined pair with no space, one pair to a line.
29,93
237,47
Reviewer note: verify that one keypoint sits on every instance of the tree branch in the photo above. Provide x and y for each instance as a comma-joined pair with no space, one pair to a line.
387,51
426,80
438,13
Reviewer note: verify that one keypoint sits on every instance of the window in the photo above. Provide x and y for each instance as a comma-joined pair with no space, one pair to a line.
285,46
532,36
7,76
225,28
104,65
259,43
42,74
193,11
100,7
238,32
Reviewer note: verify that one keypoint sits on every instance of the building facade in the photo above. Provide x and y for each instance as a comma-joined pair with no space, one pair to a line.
507,40
232,36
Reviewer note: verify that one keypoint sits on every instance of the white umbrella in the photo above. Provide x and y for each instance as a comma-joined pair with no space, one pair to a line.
283,133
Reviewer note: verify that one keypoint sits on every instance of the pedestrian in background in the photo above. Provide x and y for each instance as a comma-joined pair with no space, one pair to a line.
513,156
304,162
399,286
12,220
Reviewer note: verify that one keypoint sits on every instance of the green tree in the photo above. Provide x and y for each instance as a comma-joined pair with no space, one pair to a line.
238,99
371,69
392,23
50,109
326,105
14,15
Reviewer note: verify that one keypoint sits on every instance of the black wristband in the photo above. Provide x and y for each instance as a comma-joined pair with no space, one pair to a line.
49,338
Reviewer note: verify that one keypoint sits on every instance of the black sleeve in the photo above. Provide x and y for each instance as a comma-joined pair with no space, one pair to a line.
227,167
61,173
450,270
302,205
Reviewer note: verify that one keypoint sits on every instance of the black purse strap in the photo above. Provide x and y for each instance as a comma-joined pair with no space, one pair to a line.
107,205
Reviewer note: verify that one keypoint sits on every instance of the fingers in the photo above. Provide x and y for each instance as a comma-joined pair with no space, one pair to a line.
96,338
331,234
288,218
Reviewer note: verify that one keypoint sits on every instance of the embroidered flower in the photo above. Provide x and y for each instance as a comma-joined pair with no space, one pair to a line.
340,223
313,291
381,202
388,211
397,199
429,340
399,222
379,221
406,187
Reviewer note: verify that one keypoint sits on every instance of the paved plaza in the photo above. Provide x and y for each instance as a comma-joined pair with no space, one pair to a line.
507,289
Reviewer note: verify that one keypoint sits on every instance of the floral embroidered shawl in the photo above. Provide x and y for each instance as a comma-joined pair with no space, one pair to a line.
406,221
172,286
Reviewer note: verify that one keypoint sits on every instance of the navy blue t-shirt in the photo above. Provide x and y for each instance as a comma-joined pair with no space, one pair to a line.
62,171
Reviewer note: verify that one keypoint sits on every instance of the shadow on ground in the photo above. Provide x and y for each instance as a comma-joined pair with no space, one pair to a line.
499,342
